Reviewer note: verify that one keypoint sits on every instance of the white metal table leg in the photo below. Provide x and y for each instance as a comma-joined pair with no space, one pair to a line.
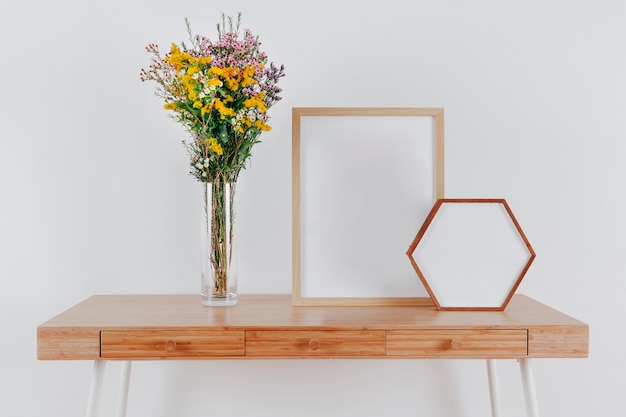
123,393
494,388
532,410
96,388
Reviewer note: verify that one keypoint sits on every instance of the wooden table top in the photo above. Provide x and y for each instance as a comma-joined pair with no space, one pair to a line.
75,333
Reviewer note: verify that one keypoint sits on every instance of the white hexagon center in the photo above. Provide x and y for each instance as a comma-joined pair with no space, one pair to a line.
471,255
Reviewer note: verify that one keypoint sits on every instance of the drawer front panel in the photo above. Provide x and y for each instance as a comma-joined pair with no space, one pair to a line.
315,343
171,344
457,343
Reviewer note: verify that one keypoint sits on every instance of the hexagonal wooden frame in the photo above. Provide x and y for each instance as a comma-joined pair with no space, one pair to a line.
425,280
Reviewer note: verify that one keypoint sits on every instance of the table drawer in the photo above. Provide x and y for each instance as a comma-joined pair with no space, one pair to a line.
458,343
320,343
170,344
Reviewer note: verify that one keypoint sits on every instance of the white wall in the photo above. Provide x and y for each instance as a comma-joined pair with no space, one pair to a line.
95,196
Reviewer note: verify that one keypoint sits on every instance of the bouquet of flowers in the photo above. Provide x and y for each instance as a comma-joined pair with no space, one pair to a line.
220,91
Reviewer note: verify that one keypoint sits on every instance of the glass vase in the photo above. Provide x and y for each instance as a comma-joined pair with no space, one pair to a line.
219,252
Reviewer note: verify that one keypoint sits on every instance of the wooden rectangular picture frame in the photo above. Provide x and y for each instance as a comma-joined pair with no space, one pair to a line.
364,180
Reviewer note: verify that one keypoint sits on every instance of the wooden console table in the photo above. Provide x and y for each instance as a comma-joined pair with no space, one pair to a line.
175,327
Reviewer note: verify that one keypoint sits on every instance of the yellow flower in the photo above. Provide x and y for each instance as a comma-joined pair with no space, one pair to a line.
214,146
176,58
205,60
246,122
261,125
170,106
216,71
248,74
205,109
231,77
224,111
232,84
255,102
